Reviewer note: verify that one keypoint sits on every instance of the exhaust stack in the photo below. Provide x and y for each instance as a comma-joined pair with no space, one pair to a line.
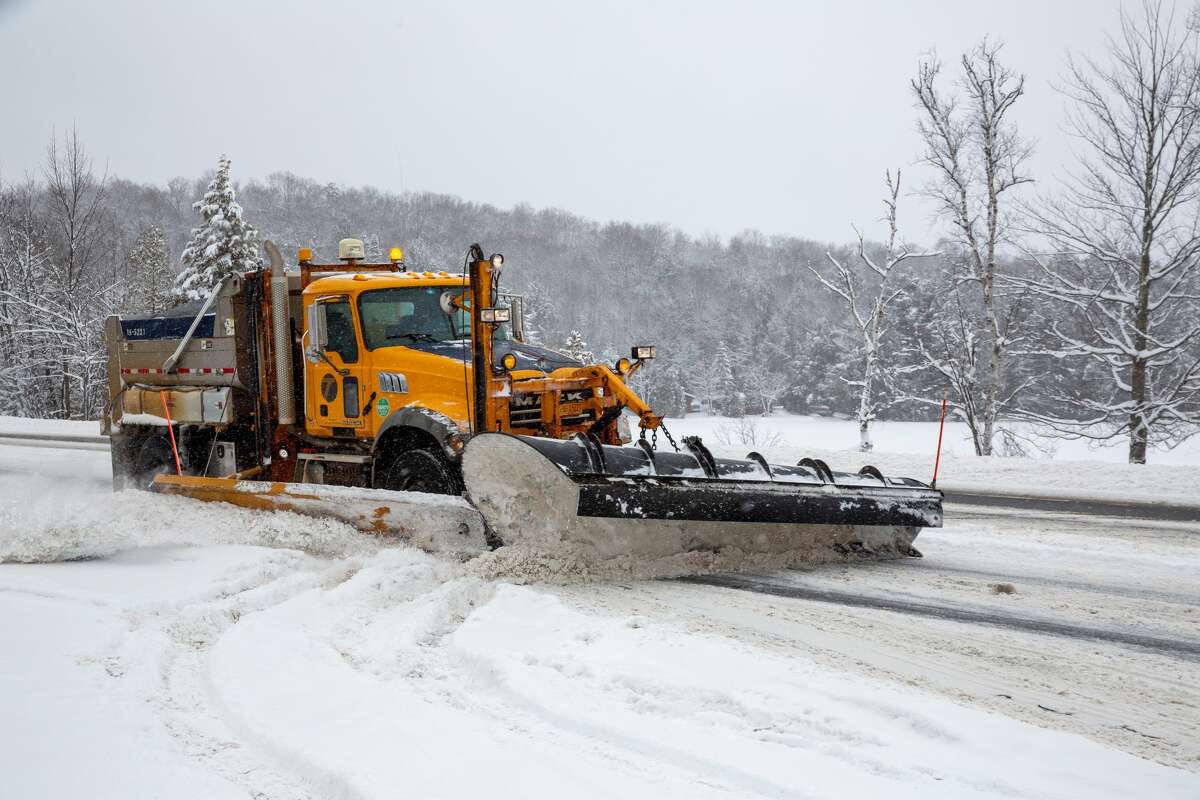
281,335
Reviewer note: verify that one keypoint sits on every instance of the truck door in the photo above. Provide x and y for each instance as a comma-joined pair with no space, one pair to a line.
333,381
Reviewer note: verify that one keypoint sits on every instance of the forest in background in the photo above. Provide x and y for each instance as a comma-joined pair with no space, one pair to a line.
1077,309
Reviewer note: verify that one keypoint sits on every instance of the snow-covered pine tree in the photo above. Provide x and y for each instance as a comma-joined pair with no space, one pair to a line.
372,247
150,277
731,398
222,245
539,314
576,348
664,387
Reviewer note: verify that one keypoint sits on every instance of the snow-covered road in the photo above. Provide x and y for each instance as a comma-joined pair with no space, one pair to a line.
214,652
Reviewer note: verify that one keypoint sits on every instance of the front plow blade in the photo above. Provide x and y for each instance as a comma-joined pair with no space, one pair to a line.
618,502
433,522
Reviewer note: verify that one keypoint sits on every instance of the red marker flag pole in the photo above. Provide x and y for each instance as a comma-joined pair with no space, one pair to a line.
937,459
162,395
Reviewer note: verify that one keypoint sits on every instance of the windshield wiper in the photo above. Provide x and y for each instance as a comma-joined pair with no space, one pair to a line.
418,337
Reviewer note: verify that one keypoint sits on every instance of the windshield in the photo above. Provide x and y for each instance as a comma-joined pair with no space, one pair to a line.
395,317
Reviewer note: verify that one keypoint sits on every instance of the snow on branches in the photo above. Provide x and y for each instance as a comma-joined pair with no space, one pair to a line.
222,245
978,158
868,292
577,348
1123,248
150,275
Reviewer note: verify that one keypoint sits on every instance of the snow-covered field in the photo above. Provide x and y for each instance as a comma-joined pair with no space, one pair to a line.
920,438
199,651
908,448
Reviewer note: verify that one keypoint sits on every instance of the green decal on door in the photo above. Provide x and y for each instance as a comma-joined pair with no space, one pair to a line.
383,407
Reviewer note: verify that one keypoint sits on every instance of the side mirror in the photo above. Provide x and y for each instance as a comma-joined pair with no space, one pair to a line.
318,333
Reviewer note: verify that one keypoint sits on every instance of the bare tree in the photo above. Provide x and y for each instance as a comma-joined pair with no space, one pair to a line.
50,338
868,292
766,385
25,260
977,157
76,198
1124,236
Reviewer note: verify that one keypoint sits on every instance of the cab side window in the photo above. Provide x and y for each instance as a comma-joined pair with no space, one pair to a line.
341,331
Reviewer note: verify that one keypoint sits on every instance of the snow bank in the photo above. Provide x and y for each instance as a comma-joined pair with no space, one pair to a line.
566,562
40,522
50,427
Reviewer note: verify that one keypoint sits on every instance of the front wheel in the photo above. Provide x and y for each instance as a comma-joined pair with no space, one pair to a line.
420,470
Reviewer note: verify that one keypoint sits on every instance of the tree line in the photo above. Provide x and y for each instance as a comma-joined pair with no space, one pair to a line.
1074,306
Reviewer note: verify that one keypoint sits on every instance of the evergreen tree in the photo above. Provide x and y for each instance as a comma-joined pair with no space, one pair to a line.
150,274
731,398
664,387
222,245
576,348
372,248
539,314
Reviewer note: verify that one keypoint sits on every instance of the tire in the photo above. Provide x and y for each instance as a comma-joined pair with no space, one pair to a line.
154,457
420,470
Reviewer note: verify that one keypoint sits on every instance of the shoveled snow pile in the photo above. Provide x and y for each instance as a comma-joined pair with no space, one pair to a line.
49,427
39,522
568,562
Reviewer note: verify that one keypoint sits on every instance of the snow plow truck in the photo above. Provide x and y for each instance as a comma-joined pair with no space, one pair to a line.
410,403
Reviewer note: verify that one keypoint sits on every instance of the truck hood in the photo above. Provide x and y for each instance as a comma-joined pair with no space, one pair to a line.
529,356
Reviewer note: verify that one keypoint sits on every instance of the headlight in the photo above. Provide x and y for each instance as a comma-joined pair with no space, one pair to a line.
644,352
622,366
509,361
497,261
494,314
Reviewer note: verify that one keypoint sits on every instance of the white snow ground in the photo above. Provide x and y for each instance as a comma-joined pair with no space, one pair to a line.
204,651
908,448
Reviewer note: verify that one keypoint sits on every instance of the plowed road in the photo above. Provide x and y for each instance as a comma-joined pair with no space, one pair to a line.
252,668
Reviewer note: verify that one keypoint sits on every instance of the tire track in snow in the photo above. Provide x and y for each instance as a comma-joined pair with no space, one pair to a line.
1136,701
188,704
1135,593
1179,648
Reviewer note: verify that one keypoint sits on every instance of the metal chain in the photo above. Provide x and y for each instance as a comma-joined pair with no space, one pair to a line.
670,438
654,437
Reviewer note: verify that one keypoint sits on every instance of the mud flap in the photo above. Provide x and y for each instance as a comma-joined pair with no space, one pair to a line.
437,523
624,501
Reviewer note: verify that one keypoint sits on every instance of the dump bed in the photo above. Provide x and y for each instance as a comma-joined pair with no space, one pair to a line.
213,378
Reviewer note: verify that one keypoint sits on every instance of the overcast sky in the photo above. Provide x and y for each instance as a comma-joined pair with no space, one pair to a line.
714,117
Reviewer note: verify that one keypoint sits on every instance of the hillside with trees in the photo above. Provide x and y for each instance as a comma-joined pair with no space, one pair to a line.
1074,307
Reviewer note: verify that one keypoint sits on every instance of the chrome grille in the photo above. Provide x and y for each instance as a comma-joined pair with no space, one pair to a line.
525,410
